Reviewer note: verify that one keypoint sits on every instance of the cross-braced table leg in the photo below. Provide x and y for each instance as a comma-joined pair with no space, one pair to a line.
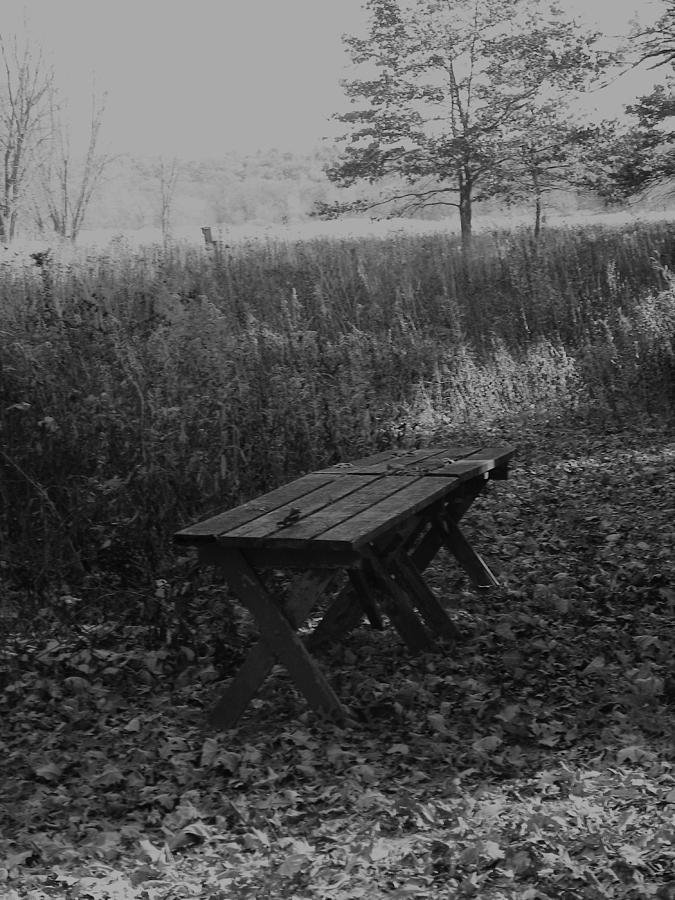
342,616
445,531
400,610
346,611
279,640
360,595
425,600
472,563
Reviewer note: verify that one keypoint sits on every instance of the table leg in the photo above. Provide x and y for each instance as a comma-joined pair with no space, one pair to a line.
278,640
366,595
400,610
427,603
432,541
342,616
466,556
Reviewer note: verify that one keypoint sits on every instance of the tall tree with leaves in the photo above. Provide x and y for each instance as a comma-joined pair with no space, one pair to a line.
626,159
449,92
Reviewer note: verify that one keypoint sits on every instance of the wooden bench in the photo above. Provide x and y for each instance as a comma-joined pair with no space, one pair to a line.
382,520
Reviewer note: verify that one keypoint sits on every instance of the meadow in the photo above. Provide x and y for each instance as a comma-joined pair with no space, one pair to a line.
142,387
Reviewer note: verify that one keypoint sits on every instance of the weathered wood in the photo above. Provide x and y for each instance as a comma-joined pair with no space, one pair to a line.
233,518
342,616
213,554
425,600
280,637
391,461
366,597
454,508
488,461
461,470
466,556
324,499
496,456
404,535
382,519
385,515
351,494
400,611
427,549
303,594
232,702
459,502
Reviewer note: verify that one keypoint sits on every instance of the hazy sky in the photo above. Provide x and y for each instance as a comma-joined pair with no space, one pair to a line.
199,77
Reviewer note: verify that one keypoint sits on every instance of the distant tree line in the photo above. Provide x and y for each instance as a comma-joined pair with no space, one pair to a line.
453,104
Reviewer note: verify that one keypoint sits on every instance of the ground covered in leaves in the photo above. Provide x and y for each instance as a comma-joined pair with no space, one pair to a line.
534,759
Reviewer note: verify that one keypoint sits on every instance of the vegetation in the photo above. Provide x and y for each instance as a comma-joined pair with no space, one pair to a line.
141,390
40,179
657,43
531,760
626,159
452,104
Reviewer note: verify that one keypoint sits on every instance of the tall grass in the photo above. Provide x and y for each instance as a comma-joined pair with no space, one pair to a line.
141,389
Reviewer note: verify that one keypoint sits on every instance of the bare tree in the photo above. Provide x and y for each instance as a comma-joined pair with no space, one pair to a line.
68,186
25,87
167,173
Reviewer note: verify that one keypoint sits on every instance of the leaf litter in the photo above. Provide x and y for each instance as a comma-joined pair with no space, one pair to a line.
533,759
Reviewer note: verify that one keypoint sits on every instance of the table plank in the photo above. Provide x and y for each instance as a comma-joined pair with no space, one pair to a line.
366,525
225,521
323,498
407,461
484,460
371,492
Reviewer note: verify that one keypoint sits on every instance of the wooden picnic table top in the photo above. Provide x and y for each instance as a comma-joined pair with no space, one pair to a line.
348,505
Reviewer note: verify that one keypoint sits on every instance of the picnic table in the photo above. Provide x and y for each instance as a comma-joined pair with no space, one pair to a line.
381,520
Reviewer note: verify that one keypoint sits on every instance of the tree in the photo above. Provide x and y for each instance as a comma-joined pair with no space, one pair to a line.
68,187
167,175
450,91
25,87
657,43
626,160
546,156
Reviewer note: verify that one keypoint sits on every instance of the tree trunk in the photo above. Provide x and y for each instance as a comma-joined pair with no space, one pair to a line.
537,216
465,212
537,202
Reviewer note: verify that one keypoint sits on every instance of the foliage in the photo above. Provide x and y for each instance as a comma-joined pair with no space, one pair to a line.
451,96
531,760
657,43
549,154
139,391
625,160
